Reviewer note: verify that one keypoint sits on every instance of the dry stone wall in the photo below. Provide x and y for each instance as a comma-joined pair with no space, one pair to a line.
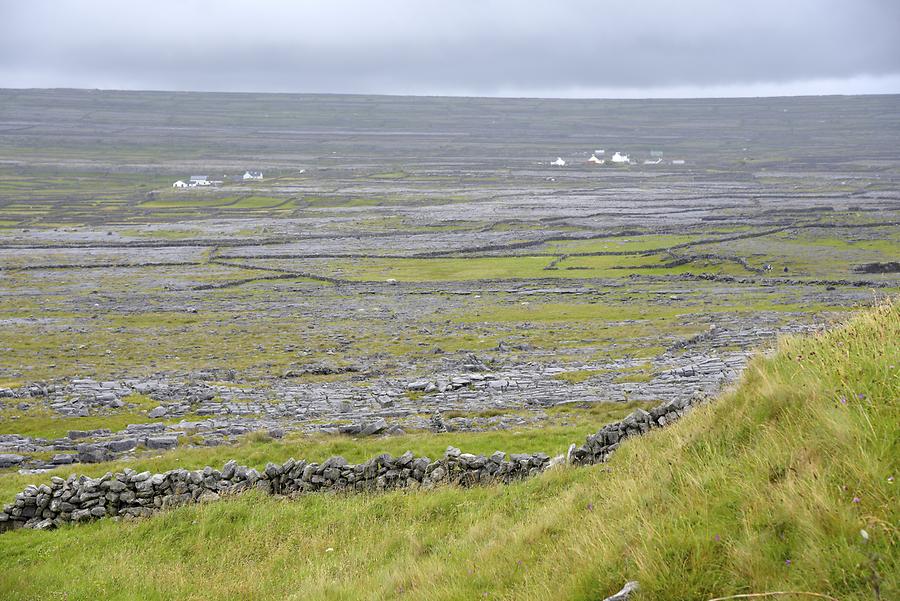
598,447
130,494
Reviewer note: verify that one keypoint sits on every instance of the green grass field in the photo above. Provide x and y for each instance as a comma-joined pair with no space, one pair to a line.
766,489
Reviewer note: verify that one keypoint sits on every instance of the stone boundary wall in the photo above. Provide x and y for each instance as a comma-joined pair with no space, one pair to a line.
598,447
130,494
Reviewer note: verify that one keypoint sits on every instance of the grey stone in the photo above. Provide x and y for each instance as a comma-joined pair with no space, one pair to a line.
121,445
375,427
114,486
625,593
141,477
88,453
162,442
159,411
10,459
81,515
336,461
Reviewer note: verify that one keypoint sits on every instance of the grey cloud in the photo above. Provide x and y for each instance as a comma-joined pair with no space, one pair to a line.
423,46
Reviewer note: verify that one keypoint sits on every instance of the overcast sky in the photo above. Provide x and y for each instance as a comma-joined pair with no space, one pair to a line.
553,48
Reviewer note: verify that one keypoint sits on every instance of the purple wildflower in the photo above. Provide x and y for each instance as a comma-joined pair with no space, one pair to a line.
787,562
856,499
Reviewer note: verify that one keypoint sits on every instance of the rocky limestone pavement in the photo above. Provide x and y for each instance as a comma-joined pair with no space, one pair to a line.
715,357
697,368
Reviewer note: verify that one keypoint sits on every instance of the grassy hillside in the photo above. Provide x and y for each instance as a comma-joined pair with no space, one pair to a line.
765,490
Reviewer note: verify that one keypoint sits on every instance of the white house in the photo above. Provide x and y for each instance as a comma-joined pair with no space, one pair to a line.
559,162
179,184
600,151
620,158
253,175
199,180
595,160
656,162
678,162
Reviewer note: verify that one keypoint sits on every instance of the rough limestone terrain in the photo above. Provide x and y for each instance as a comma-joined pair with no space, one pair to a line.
412,264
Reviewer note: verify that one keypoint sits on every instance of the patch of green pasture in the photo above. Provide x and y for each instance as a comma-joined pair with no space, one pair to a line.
186,199
580,375
620,244
449,269
636,374
517,267
51,426
389,175
161,233
260,202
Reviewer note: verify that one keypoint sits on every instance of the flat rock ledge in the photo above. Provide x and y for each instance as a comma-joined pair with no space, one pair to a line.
130,494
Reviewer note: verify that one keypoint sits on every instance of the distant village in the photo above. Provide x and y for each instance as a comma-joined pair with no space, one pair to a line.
656,158
200,181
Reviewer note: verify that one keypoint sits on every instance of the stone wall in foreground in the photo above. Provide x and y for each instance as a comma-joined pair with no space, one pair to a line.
132,494
598,447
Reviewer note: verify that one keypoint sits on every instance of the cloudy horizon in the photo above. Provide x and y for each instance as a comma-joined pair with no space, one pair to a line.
571,49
